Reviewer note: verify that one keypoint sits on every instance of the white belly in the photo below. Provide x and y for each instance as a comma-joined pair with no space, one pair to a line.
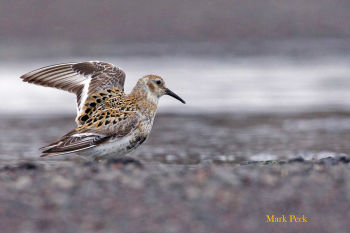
113,148
118,147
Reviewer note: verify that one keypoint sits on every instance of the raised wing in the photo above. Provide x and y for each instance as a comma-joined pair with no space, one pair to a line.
80,78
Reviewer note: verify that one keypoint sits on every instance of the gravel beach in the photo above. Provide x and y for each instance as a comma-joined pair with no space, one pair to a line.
197,173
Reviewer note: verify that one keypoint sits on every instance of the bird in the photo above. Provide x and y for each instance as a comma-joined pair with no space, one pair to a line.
110,123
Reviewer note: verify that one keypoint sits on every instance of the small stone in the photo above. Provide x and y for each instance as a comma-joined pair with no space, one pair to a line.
296,160
28,166
23,182
62,182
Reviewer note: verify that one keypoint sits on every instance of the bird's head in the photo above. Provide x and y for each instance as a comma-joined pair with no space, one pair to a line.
155,87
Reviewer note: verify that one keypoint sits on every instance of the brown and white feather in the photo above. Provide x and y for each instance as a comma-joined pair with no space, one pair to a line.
82,78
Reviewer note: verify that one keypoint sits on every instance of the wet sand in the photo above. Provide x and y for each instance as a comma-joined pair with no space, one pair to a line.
198,173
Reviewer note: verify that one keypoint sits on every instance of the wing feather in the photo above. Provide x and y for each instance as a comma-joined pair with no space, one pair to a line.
84,137
73,142
73,77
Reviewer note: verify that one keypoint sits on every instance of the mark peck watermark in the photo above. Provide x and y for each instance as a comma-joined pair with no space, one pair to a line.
270,218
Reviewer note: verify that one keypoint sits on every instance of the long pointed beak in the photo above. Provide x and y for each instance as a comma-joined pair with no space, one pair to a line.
169,92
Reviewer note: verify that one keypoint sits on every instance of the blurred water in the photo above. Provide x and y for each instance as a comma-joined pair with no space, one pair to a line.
261,82
281,77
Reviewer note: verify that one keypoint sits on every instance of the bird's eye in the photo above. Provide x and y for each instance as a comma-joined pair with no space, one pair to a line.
159,82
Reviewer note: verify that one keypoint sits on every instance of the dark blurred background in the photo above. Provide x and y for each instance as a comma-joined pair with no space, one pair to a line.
109,21
78,25
239,55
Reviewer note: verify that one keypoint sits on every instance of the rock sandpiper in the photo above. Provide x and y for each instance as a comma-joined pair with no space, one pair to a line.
110,123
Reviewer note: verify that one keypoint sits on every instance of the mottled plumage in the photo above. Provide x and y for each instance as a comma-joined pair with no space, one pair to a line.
109,122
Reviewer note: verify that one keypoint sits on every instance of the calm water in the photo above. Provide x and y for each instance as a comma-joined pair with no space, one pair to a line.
254,80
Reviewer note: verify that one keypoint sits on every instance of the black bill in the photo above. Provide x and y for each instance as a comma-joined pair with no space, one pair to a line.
168,92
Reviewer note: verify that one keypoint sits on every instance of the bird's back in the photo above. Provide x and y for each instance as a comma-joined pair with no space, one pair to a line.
106,108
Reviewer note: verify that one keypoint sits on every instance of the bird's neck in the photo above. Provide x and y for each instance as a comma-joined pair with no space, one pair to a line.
146,101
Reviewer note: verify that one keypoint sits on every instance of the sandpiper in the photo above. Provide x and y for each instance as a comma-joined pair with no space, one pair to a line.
110,123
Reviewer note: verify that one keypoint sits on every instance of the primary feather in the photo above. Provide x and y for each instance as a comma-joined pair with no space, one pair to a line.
82,78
